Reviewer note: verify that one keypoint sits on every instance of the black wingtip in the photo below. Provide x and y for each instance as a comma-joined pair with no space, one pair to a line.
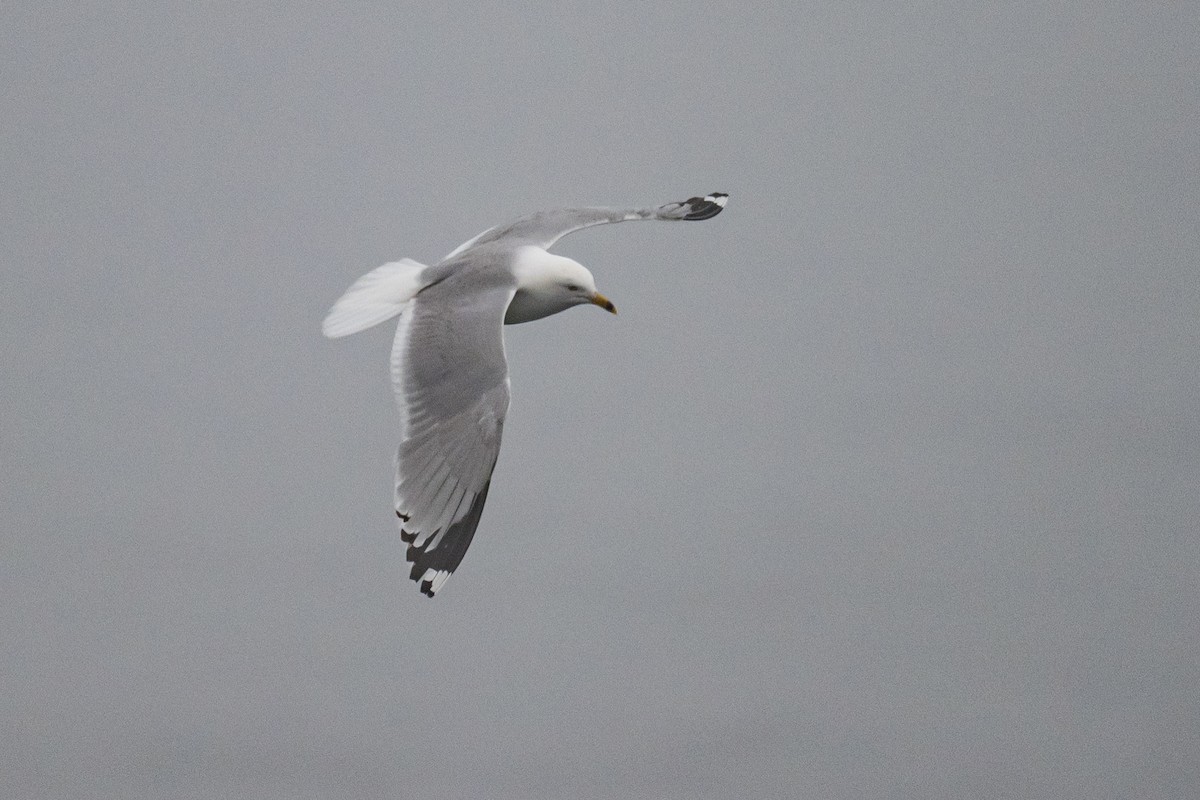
707,207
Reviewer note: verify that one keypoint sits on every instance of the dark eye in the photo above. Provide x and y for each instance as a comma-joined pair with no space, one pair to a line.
572,287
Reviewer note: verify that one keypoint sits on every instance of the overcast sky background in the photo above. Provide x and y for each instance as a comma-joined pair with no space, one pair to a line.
883,484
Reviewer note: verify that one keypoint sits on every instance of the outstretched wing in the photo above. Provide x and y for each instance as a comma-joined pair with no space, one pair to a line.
545,228
451,381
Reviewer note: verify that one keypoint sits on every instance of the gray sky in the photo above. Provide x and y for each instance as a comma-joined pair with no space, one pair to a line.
883,484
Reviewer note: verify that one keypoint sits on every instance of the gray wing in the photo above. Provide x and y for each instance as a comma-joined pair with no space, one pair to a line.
545,228
451,381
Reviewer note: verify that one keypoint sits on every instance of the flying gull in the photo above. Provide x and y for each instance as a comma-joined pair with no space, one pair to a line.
448,366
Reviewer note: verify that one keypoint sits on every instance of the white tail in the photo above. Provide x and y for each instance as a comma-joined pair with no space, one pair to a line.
374,298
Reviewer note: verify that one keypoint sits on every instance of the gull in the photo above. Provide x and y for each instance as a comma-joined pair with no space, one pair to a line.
449,371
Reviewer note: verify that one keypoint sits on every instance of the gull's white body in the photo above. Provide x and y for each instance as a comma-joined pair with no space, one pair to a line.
448,366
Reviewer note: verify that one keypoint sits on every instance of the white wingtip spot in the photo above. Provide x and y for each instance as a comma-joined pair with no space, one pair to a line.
440,580
719,199
433,580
